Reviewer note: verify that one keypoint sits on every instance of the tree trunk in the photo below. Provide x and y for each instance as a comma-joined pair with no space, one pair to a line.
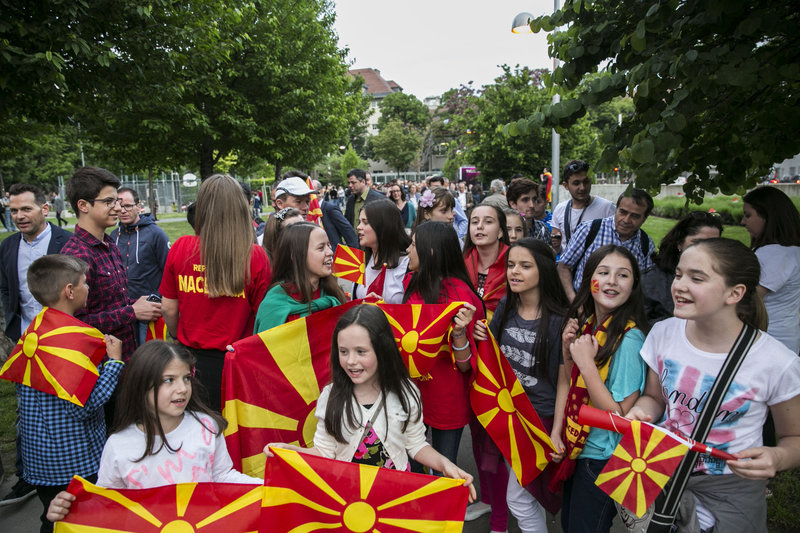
206,159
151,200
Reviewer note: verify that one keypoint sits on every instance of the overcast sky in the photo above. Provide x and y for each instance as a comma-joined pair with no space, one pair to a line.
430,46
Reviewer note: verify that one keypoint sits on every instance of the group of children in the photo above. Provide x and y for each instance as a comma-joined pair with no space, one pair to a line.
599,350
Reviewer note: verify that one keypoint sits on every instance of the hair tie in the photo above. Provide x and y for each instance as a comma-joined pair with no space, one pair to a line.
426,200
280,215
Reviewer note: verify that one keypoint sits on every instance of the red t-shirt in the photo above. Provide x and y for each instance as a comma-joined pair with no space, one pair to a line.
445,391
211,323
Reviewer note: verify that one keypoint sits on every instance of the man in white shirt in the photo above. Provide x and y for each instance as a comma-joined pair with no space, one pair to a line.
582,206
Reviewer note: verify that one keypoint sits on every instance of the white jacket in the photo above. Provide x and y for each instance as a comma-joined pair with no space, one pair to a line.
398,445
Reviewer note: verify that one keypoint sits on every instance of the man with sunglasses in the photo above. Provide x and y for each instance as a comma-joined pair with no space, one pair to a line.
581,206
144,248
92,192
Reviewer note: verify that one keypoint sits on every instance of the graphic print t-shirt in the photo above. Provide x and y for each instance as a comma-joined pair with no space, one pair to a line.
770,374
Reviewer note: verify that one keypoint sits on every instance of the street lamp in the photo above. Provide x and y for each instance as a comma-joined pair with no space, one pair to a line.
521,24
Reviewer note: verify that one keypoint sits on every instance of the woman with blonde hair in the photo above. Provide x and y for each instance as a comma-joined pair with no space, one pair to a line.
214,281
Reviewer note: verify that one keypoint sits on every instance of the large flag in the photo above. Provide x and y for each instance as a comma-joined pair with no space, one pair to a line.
421,332
503,408
308,493
640,467
185,507
58,354
270,385
348,263
157,330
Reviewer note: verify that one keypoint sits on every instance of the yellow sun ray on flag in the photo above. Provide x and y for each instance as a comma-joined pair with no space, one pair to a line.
307,493
58,354
502,407
348,263
186,507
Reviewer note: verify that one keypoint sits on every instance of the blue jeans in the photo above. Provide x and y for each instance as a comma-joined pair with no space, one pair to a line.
586,508
444,441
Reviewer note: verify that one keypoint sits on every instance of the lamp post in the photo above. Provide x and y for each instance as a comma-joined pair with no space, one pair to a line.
521,24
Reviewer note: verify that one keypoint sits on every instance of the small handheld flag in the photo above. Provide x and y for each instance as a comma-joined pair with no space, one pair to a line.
348,263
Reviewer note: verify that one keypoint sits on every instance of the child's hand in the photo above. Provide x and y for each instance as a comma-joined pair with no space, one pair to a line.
453,472
568,336
583,351
113,347
759,463
463,318
59,506
146,311
480,331
557,455
637,413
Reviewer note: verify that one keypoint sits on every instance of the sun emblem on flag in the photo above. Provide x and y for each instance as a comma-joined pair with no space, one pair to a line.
309,493
348,263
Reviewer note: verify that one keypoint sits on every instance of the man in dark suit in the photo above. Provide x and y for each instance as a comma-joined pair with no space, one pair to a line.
361,194
36,238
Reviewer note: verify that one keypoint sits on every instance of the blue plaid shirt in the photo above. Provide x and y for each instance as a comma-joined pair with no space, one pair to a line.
60,439
574,254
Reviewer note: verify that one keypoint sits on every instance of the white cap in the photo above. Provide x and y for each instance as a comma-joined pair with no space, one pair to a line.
294,186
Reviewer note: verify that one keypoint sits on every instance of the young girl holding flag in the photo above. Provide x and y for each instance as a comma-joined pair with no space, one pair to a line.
370,413
161,422
715,295
602,367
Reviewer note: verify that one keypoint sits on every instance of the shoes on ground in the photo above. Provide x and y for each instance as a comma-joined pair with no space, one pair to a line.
476,510
21,491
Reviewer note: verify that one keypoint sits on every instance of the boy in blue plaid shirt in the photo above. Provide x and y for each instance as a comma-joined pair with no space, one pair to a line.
60,439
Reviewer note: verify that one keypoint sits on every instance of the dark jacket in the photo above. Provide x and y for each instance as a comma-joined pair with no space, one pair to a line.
144,247
337,227
9,279
349,214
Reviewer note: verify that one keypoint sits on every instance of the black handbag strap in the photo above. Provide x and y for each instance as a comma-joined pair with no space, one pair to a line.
666,506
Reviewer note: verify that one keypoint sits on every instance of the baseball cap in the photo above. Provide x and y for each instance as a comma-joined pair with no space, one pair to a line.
294,186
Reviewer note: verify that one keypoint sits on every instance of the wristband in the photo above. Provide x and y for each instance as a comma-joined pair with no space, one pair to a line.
459,348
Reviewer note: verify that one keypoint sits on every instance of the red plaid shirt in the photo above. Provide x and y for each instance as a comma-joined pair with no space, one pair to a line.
108,307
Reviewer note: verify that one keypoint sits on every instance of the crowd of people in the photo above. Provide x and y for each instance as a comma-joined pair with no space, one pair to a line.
583,306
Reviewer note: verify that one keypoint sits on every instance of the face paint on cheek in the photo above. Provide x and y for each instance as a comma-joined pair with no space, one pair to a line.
595,286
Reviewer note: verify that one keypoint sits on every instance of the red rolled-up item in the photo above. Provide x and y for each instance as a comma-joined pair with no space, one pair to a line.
591,416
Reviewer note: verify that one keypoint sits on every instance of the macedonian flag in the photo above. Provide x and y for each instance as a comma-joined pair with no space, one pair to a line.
182,508
308,493
58,354
641,465
314,208
348,263
270,385
157,330
420,331
503,408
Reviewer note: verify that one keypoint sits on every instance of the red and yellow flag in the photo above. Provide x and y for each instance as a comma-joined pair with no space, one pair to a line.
420,331
503,408
308,493
157,330
270,385
314,207
348,263
186,507
58,354
640,467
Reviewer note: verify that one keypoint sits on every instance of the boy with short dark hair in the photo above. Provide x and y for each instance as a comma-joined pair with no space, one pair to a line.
59,438
92,192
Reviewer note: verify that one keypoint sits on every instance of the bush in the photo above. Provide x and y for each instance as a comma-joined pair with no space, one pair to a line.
728,207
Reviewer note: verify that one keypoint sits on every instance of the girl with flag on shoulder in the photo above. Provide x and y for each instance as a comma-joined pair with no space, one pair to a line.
303,282
383,238
715,292
605,329
527,326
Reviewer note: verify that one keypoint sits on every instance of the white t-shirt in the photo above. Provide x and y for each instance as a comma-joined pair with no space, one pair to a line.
392,283
202,457
780,273
598,208
770,374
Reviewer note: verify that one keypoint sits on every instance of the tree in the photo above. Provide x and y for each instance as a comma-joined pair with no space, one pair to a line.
406,108
350,160
715,85
397,144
